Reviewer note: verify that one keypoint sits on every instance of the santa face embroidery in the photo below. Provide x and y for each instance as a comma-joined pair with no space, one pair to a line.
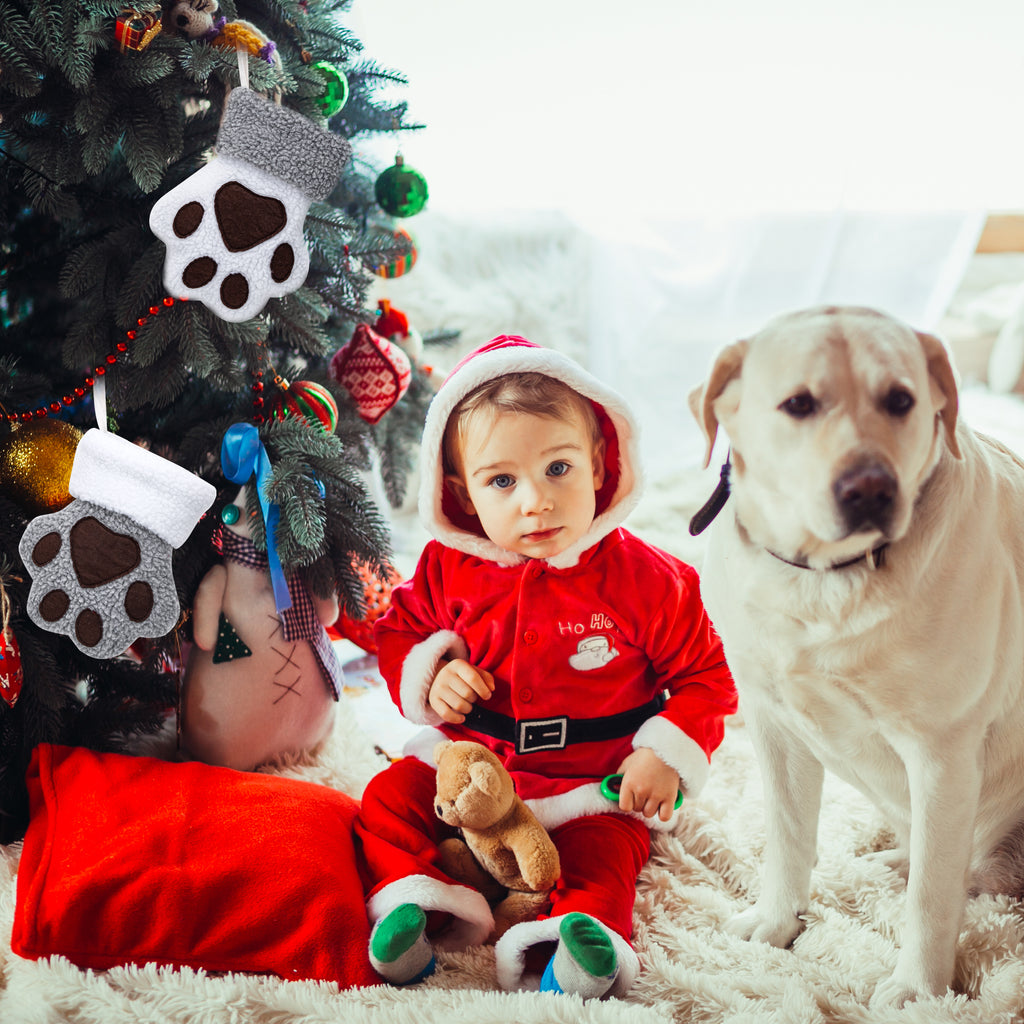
593,652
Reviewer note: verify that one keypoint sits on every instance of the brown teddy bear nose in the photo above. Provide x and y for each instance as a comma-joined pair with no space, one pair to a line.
439,811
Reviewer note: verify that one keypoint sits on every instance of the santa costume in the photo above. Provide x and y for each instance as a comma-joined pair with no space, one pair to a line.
595,652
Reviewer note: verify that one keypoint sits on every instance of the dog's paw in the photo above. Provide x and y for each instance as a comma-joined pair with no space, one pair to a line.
895,992
760,925
895,860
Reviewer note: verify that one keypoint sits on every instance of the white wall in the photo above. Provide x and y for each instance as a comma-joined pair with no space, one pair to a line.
675,105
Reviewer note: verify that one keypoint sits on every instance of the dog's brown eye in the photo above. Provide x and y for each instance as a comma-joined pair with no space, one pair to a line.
800,406
898,402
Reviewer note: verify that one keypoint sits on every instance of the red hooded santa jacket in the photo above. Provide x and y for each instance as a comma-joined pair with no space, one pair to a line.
595,652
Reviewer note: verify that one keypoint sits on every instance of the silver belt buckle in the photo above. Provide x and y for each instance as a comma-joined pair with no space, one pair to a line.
541,734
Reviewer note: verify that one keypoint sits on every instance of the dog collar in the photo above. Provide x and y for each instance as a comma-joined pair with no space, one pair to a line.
705,515
874,558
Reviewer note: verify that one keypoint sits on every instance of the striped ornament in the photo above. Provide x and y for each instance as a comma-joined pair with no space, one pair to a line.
399,265
306,399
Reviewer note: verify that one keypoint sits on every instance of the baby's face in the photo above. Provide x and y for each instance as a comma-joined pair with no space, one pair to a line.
530,480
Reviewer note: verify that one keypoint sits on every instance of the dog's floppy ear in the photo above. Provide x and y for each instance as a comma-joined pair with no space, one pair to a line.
940,369
727,365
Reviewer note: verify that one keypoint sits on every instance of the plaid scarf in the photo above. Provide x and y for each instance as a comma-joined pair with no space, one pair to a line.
298,622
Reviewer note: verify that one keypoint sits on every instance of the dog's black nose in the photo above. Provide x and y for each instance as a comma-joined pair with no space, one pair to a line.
865,497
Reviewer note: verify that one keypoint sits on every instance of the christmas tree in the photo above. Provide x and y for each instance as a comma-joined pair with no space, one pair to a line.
103,111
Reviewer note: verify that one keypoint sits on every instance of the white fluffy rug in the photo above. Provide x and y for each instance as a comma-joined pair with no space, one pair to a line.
693,971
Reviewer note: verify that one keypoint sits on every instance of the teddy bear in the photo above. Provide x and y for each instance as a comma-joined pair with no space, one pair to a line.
259,684
504,852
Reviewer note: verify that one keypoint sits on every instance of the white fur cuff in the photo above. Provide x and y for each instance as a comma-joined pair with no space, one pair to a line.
677,750
472,922
418,671
510,955
119,476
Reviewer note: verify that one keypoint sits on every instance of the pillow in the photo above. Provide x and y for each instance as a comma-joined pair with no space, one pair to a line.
131,860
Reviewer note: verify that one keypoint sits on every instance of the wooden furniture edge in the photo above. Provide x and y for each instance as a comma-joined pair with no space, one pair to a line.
1003,232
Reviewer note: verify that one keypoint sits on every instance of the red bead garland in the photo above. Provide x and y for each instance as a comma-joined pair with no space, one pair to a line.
258,401
97,371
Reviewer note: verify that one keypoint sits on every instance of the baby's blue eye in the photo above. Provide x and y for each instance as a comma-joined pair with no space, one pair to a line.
558,468
502,481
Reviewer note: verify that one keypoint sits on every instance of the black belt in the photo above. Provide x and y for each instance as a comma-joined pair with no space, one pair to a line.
533,734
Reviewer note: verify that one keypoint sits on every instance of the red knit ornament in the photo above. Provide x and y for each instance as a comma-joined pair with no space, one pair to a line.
375,372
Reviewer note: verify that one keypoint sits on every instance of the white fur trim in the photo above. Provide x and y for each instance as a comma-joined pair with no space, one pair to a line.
421,745
552,811
677,750
119,476
472,918
418,671
510,955
524,359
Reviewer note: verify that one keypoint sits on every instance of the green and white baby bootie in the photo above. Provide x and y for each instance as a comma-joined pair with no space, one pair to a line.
584,962
400,951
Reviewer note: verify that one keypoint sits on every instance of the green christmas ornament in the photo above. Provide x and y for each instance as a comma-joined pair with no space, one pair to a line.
401,191
335,94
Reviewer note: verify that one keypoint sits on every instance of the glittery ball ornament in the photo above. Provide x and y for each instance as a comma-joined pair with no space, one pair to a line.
335,94
306,399
401,191
375,372
35,464
404,261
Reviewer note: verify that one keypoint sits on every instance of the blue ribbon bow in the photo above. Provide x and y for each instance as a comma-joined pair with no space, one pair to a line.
241,455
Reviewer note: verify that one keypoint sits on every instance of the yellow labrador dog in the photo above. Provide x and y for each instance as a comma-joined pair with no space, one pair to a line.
866,577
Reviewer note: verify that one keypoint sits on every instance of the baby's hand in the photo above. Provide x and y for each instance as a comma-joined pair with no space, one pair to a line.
648,785
456,688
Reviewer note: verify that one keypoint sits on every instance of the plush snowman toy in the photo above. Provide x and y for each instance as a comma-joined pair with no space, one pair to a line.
259,684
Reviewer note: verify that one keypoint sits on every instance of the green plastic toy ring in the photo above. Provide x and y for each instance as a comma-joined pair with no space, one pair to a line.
611,784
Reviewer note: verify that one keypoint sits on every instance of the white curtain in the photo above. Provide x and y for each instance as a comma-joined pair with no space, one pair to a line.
664,299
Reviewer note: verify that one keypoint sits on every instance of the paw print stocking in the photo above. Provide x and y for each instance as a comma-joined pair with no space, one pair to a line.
233,230
101,566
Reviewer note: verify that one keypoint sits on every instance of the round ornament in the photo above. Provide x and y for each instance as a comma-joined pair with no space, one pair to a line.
306,399
401,191
401,264
335,94
35,463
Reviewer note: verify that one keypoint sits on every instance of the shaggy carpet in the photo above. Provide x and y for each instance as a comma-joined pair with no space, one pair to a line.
696,879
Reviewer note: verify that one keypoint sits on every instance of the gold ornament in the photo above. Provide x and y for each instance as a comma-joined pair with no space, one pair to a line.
35,464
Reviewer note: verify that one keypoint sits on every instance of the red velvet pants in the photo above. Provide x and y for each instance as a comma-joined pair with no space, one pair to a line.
397,834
